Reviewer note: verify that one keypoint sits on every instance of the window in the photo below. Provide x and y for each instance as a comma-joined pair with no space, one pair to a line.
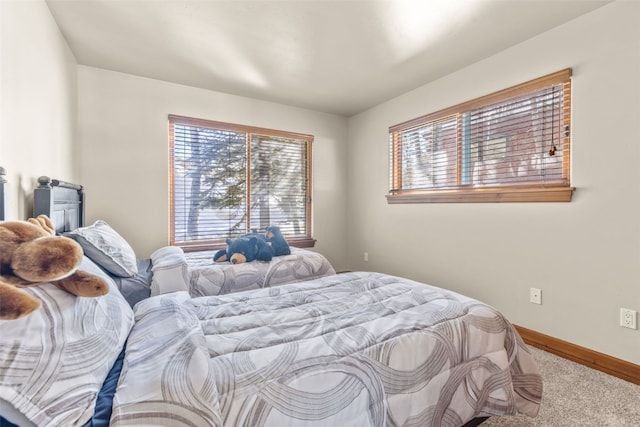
228,179
510,146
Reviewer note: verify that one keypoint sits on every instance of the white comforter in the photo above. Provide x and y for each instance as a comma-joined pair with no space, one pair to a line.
211,278
54,361
356,349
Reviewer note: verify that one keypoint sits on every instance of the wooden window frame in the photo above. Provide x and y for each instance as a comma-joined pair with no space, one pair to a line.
306,241
560,191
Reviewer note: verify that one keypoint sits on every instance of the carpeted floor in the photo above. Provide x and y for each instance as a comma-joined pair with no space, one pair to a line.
577,396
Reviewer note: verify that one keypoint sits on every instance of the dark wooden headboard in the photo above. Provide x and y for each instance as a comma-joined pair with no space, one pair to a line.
3,194
61,201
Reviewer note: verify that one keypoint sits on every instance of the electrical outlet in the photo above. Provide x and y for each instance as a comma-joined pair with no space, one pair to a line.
366,256
535,296
628,318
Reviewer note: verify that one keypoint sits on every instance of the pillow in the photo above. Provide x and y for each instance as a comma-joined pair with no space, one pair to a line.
170,271
106,248
135,289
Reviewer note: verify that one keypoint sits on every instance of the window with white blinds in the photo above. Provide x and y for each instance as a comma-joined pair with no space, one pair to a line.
228,179
513,145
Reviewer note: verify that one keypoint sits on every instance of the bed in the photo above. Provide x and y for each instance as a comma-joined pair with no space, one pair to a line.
3,194
356,349
194,272
350,349
56,361
359,349
209,278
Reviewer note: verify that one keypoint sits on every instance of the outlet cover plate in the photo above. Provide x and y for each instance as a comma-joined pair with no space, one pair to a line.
628,318
535,296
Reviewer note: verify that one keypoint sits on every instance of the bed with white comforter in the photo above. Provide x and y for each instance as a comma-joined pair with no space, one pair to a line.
353,349
211,278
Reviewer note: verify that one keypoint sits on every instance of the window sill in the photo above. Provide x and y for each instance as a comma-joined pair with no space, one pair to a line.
486,195
306,242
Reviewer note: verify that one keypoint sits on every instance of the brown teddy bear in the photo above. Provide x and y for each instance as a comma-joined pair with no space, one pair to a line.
31,254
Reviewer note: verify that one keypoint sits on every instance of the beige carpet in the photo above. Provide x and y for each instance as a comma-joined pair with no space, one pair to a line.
577,396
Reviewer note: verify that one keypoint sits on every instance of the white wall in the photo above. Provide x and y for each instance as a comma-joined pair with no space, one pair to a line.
123,135
37,102
584,255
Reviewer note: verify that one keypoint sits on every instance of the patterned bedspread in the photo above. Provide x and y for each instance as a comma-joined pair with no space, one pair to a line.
54,361
209,278
354,349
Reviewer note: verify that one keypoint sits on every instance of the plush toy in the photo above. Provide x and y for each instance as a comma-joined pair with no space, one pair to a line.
247,248
31,254
277,241
254,246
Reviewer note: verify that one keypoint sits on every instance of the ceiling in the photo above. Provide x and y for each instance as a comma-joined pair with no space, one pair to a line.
335,56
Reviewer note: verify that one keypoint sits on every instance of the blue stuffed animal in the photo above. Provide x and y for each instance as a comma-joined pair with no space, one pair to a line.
277,241
254,246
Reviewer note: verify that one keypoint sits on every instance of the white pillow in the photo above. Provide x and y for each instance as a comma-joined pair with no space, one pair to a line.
106,248
170,271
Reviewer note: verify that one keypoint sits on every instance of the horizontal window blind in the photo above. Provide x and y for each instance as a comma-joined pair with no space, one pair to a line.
429,155
517,141
516,137
228,179
279,184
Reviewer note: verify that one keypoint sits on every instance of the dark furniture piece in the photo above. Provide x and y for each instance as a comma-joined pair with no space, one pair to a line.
3,194
61,201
